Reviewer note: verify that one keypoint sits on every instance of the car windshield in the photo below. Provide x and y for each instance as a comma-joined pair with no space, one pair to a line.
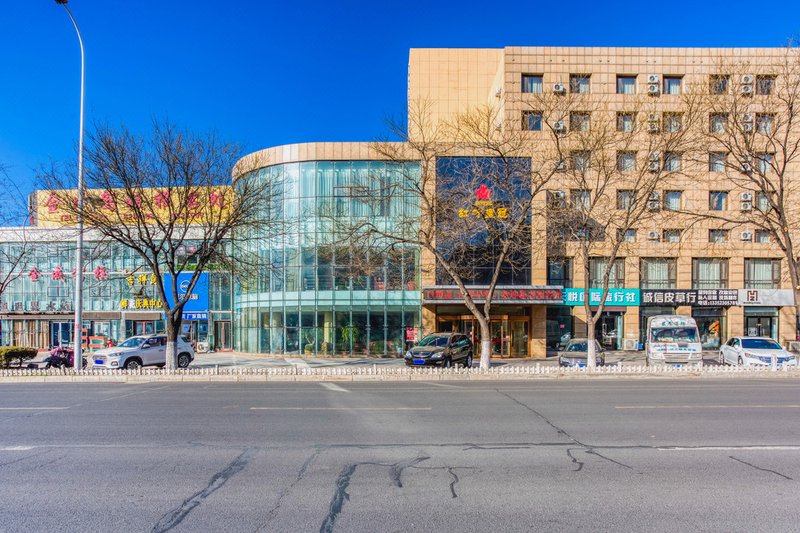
133,342
761,344
675,335
577,346
433,340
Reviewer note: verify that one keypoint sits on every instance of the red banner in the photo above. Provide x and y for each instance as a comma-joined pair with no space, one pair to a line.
505,294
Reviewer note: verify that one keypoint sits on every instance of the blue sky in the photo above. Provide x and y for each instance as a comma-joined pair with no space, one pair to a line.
266,73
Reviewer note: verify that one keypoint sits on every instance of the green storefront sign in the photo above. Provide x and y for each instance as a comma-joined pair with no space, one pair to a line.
615,297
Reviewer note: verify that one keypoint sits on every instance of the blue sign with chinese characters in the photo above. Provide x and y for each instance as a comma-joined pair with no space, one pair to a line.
196,307
615,297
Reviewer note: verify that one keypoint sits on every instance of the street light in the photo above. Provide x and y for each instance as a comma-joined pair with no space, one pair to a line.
78,337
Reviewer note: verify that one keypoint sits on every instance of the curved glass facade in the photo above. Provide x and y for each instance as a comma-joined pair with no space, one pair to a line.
309,294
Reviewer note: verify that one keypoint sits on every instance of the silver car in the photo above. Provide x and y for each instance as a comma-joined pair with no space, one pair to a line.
575,353
142,350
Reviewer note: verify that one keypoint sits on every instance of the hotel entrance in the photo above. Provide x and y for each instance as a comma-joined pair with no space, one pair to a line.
509,333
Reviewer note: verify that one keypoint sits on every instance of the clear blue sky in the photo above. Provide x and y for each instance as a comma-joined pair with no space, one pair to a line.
266,73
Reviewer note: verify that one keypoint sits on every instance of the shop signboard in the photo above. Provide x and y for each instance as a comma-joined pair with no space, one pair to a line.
693,297
512,295
196,307
615,297
766,297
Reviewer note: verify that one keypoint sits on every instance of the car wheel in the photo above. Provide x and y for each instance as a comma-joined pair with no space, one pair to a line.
721,358
468,361
184,360
132,364
740,362
447,363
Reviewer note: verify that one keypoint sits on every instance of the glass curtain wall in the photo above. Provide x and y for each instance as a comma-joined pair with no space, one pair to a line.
312,294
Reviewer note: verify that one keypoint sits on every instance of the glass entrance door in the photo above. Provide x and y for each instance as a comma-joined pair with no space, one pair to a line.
222,335
61,333
760,326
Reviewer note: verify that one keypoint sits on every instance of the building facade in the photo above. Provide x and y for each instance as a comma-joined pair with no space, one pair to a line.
306,293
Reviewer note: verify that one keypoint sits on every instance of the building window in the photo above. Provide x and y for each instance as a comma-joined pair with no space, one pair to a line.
580,160
672,85
672,200
762,273
718,84
718,200
624,199
717,161
709,273
579,121
625,122
765,85
672,162
532,120
763,237
626,161
579,83
559,271
717,122
659,273
671,235
626,84
717,236
580,198
762,202
597,270
626,235
673,122
764,163
555,199
765,122
532,83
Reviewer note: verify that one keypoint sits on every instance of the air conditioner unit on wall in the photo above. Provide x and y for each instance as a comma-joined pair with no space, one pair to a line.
655,156
559,126
653,89
652,235
746,206
747,117
654,166
652,117
558,195
559,88
653,205
746,196
654,196
746,235
747,127
747,168
747,89
653,127
747,79
498,92
653,78
561,165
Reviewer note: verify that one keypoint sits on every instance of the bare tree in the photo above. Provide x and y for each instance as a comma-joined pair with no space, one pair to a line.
167,196
751,139
469,205
614,166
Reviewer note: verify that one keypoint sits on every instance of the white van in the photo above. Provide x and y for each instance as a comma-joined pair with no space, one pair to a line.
673,340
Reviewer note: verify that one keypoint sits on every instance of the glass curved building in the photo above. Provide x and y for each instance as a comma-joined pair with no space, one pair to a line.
308,291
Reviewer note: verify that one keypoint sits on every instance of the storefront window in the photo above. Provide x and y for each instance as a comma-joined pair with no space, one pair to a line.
711,322
761,322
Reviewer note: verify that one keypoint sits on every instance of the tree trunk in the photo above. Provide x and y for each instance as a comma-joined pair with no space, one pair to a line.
486,343
173,329
591,346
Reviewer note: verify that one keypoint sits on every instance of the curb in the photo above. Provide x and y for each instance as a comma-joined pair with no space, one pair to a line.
377,373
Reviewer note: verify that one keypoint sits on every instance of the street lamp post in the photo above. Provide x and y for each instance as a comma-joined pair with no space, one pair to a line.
78,337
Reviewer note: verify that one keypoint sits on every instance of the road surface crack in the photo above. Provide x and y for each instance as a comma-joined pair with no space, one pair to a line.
593,452
579,464
453,483
759,468
396,470
176,516
339,497
300,473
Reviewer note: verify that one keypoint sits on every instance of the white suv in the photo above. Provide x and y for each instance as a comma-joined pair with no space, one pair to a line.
142,350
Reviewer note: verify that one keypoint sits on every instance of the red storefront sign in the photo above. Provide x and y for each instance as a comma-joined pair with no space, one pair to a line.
511,295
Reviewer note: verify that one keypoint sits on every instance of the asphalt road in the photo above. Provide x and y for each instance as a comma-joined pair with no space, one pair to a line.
594,455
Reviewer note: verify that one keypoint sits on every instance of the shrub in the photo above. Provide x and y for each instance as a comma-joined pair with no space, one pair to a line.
18,353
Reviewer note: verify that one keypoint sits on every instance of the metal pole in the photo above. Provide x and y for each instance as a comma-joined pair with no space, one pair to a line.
81,186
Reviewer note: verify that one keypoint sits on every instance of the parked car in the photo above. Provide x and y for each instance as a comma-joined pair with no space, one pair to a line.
142,350
754,351
575,353
443,349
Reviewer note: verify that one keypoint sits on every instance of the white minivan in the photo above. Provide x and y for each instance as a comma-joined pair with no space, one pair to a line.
673,340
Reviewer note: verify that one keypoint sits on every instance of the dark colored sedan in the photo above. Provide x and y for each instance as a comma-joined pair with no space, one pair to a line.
575,354
445,349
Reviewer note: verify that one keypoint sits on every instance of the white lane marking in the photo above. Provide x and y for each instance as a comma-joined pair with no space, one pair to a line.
443,385
749,406
299,363
33,408
341,408
133,393
725,448
334,387
15,448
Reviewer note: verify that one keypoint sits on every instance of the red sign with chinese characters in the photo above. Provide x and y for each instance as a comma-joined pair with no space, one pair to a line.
501,295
